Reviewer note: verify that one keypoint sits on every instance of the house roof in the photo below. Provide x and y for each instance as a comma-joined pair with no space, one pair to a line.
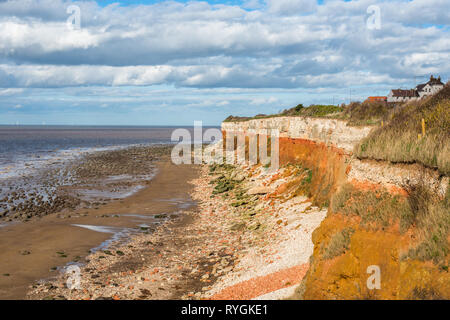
404,93
432,82
421,86
377,98
435,81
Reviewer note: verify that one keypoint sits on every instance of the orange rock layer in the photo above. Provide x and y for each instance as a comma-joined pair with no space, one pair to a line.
346,276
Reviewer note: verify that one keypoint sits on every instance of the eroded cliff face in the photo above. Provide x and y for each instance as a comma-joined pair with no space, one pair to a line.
323,146
327,131
369,223
348,275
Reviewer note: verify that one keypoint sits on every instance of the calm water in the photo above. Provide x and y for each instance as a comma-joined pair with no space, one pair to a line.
24,149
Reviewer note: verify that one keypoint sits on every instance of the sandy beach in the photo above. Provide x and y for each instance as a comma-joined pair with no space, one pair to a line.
41,247
211,251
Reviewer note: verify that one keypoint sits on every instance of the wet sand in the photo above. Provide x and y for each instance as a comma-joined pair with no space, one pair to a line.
30,251
258,248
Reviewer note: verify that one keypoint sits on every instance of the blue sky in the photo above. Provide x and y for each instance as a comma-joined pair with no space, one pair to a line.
145,2
172,62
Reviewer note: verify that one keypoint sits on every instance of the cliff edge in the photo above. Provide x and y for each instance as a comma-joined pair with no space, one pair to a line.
386,230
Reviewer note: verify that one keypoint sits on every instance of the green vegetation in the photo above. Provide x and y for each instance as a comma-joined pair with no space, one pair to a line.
301,184
379,207
312,111
399,141
268,164
367,113
220,167
317,111
228,183
422,209
339,242
357,113
223,185
61,254
431,216
239,203
224,181
308,178
239,119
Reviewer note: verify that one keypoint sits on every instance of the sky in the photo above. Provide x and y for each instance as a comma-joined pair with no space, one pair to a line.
149,62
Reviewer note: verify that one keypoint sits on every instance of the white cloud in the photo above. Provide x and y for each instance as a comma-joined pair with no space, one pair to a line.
282,44
11,91
260,101
291,7
17,106
46,37
223,103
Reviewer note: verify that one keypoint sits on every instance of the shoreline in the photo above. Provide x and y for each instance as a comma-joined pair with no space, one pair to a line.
205,253
36,249
88,180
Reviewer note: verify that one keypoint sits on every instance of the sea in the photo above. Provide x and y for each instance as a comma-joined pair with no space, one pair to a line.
27,151
24,149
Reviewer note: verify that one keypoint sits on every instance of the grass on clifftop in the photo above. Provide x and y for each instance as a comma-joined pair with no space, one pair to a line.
317,111
312,111
357,113
367,113
398,140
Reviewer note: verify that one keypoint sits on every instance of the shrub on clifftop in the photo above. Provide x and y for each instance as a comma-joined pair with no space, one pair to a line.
399,140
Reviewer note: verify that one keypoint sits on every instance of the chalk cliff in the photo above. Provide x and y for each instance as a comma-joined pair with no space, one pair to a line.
369,221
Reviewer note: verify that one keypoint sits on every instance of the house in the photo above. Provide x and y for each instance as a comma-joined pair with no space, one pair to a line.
430,88
376,99
421,91
400,95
